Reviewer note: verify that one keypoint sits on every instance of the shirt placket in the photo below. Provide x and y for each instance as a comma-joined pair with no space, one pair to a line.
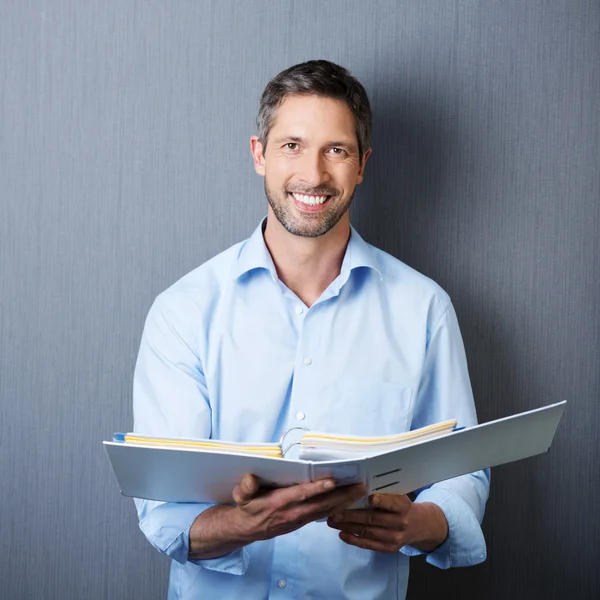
285,581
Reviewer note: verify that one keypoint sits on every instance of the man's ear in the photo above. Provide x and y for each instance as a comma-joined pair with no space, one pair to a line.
361,171
256,148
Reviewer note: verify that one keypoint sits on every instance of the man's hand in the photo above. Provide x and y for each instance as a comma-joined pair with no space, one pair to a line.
393,522
264,514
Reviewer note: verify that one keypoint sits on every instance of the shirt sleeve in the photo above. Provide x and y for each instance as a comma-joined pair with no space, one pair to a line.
170,399
445,393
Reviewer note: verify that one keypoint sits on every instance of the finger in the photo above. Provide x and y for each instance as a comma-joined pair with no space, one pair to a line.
246,489
307,502
379,518
339,500
367,544
349,494
392,502
303,492
377,534
322,506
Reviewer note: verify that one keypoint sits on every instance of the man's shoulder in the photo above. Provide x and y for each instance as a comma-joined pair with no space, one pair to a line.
202,287
214,273
398,276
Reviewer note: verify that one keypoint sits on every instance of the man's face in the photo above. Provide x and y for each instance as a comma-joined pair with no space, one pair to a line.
311,164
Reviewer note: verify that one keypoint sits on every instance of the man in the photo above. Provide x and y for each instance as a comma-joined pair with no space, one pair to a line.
305,324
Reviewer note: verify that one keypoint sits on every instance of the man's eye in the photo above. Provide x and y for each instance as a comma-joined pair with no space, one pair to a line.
337,153
291,146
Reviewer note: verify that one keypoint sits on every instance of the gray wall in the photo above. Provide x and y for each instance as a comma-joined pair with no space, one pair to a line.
124,163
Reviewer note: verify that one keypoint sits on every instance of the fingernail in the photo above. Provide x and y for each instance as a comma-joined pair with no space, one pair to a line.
375,500
328,484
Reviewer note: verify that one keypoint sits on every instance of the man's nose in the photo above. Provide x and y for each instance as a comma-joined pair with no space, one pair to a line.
314,169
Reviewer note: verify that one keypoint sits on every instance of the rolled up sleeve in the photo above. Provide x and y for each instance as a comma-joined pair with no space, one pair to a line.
462,500
167,527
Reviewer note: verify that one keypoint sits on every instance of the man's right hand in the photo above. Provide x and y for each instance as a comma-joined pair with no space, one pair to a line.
264,514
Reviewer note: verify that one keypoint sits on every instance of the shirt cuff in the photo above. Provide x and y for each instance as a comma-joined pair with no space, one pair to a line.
167,528
465,544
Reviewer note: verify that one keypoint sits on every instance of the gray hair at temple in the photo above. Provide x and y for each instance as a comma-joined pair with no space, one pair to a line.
319,78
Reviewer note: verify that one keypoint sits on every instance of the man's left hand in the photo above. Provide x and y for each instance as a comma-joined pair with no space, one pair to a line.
392,522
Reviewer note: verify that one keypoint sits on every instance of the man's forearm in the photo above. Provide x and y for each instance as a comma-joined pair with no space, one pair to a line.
212,534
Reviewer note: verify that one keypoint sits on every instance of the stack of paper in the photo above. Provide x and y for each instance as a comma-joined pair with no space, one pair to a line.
324,446
313,445
263,449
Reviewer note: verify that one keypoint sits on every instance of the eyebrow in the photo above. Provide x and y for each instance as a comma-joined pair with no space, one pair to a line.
298,140
342,144
288,138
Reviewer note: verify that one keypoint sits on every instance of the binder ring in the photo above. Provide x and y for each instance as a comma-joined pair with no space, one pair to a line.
282,439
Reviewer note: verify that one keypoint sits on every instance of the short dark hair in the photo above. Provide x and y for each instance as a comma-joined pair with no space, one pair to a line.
320,78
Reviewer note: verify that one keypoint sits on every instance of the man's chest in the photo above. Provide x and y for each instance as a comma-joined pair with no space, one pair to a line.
350,364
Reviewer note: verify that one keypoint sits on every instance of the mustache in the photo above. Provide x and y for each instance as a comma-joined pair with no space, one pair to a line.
320,190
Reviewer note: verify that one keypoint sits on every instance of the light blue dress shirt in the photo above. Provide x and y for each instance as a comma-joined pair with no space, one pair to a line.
229,352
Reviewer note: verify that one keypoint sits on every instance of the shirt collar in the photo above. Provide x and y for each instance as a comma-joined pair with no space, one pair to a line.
359,254
255,255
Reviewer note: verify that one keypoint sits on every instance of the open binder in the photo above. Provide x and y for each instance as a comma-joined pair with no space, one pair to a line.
208,470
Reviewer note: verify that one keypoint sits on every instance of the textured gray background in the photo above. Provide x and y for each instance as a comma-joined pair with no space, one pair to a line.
124,163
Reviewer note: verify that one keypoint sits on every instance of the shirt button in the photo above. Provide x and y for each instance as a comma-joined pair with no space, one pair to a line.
299,310
281,583
300,415
307,360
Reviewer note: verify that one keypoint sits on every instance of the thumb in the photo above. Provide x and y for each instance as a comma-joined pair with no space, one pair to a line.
245,490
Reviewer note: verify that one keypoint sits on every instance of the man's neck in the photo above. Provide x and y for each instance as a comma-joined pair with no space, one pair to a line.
307,265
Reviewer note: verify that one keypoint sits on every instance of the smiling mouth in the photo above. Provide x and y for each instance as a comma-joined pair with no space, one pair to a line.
309,200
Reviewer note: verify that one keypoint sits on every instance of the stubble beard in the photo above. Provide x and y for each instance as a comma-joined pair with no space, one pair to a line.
306,224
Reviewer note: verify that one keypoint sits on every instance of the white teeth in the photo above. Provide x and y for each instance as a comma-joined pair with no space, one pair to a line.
310,200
